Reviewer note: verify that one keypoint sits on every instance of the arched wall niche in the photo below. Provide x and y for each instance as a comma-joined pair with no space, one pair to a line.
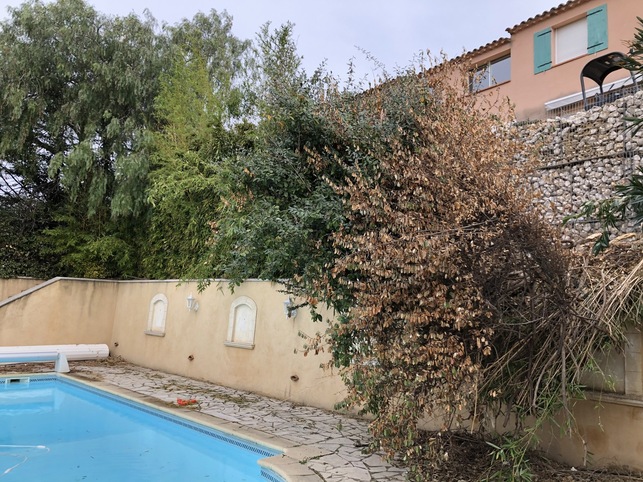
157,316
241,323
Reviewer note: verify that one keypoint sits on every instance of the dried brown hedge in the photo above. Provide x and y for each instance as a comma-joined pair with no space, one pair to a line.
453,292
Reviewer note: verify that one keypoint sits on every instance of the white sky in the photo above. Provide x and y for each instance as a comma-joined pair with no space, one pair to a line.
392,31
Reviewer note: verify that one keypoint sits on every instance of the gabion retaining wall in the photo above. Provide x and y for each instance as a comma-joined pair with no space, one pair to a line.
582,157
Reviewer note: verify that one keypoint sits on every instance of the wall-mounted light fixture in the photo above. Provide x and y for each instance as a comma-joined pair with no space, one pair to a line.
193,304
289,308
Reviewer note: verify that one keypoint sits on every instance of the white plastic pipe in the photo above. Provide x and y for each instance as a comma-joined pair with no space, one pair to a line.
58,353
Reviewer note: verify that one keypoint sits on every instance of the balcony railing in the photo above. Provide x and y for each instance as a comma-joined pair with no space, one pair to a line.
594,101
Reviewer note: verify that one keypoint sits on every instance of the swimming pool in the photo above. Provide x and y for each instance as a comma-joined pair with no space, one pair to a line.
56,429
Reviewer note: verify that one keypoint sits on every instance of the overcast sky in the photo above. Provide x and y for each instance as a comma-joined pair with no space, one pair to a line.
392,31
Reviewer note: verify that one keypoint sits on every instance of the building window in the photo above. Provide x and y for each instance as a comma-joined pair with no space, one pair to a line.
157,315
571,40
241,323
585,36
492,73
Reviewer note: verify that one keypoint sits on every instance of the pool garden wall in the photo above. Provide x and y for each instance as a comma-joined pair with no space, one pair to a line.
243,340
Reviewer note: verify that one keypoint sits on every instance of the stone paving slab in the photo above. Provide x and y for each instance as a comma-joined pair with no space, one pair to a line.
327,446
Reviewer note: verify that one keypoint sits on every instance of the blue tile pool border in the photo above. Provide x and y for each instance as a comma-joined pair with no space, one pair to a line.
270,476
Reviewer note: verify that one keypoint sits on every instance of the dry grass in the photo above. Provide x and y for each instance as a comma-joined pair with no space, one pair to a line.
469,460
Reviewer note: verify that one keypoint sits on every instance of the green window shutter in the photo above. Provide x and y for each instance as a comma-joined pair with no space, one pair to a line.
597,29
542,51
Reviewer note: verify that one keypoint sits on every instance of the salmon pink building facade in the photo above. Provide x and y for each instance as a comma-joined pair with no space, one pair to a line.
538,66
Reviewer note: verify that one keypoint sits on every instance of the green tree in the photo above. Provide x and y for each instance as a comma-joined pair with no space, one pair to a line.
277,211
279,207
183,192
200,123
22,220
228,59
76,107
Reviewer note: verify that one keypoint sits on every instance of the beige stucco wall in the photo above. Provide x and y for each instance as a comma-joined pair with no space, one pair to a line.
266,369
609,435
529,91
69,311
13,286
61,311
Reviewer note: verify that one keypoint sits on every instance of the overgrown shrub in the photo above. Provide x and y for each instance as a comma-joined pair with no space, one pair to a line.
451,291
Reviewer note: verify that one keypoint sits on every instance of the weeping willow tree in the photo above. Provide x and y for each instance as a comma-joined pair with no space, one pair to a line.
85,117
75,111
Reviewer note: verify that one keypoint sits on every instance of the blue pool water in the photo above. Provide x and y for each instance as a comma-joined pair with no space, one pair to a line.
53,429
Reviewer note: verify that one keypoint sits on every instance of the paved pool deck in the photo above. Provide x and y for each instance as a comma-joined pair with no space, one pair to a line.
319,445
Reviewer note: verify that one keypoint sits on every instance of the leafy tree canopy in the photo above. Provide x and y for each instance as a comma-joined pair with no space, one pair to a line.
79,87
191,144
86,113
276,211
